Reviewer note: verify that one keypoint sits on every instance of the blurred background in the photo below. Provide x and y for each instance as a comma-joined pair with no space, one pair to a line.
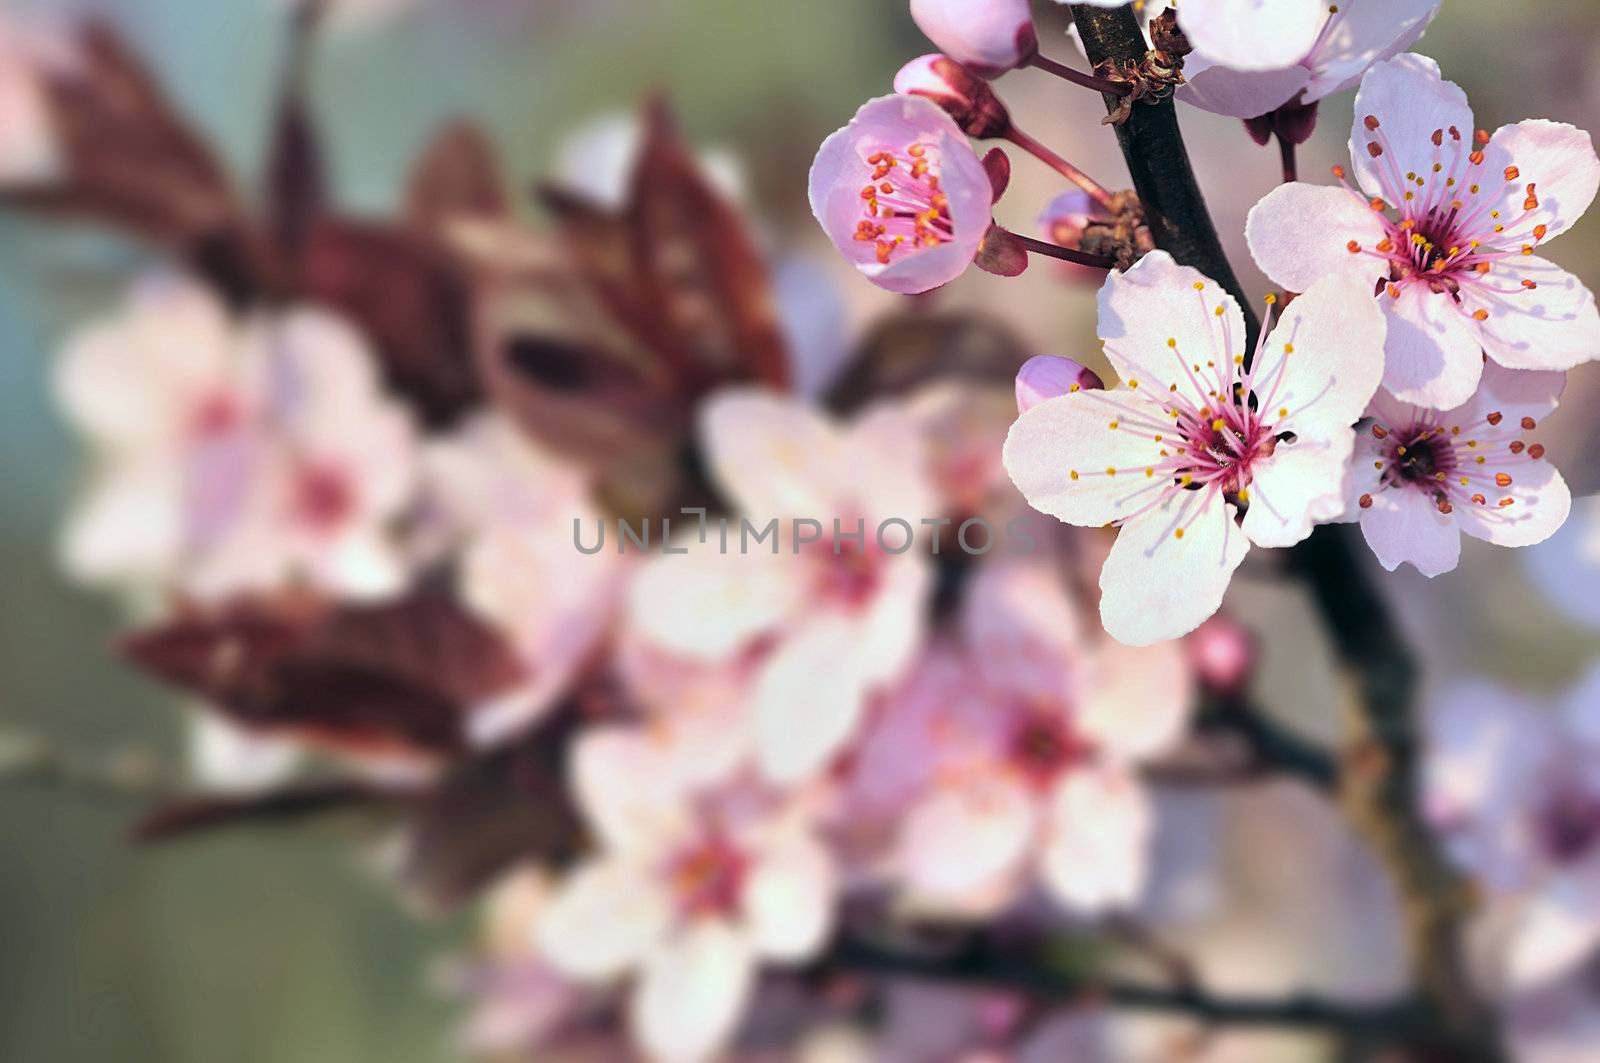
270,946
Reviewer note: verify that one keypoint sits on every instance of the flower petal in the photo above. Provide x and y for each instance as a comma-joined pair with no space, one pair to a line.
1155,323
1096,855
1239,93
1433,354
1072,434
807,700
1409,100
1404,526
1541,503
1134,704
1553,325
772,455
691,993
1301,485
1365,33
1557,161
707,604
788,900
1336,331
1300,233
602,920
962,841
1156,585
1252,34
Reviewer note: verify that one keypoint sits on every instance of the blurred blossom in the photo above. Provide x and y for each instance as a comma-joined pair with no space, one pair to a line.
688,895
831,619
514,508
27,144
1566,567
224,756
1223,654
1015,755
234,457
902,194
1513,785
597,162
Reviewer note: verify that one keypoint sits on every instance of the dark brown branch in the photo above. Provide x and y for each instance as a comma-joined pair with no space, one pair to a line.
1271,747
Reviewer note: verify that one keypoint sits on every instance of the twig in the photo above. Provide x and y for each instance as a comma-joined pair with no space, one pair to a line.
1065,254
1272,748
130,774
1078,77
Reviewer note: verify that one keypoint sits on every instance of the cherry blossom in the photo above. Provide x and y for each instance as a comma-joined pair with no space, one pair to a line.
689,895
989,37
830,613
902,194
1512,787
1197,455
234,458
1422,477
1012,756
27,141
514,507
1456,271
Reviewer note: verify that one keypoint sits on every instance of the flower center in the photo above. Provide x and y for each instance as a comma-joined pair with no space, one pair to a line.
1044,746
323,497
708,877
848,572
1451,230
904,206
1569,824
217,414
1455,464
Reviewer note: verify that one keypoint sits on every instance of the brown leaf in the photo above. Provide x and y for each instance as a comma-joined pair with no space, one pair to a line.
396,677
459,175
410,297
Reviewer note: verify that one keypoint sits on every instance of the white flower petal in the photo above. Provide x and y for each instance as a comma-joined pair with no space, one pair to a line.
788,900
602,920
1299,233
1157,586
1433,354
1096,855
1337,332
1134,704
772,455
1410,101
706,604
1552,326
1301,485
1156,324
1403,525
1558,161
1058,454
1363,34
1252,34
965,840
807,700
691,993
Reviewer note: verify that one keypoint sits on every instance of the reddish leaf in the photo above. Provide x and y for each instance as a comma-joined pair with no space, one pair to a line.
396,677
905,351
458,175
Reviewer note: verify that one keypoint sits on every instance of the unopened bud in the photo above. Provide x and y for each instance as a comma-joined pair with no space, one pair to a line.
1045,376
1223,654
964,96
990,37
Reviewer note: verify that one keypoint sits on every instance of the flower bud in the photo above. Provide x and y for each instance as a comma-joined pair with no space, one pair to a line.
964,96
989,37
1223,654
1045,376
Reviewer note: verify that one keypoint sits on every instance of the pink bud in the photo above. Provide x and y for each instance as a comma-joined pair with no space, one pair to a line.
964,96
988,36
1045,376
1224,655
1064,219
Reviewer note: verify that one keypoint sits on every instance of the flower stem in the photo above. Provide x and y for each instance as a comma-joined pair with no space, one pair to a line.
1065,254
1291,172
1096,191
1078,77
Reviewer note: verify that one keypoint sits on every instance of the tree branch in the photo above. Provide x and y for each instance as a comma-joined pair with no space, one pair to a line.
1272,747
1379,786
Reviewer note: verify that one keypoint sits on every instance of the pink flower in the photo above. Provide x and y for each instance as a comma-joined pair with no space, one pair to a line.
826,615
235,459
988,36
1422,477
1456,271
512,509
962,95
1224,655
27,139
1349,39
1511,785
1195,456
1247,35
902,194
689,896
1044,376
1021,761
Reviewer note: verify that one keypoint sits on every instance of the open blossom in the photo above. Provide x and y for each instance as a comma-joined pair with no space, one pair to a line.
689,895
1456,269
987,36
234,458
1196,455
514,509
1352,36
902,194
1511,785
822,608
1422,477
1014,756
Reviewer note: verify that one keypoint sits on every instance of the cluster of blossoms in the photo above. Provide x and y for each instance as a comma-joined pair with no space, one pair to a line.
688,778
